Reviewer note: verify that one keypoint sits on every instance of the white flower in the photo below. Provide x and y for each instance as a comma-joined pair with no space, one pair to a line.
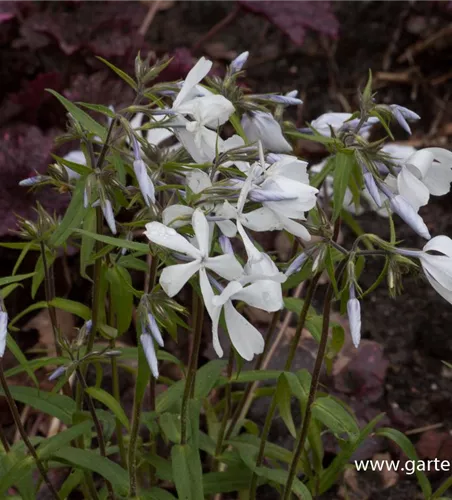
153,135
336,121
289,177
438,268
173,278
262,126
3,332
180,215
428,171
260,287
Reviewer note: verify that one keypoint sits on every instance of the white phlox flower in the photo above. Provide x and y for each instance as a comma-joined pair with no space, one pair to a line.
287,178
173,278
180,215
259,287
426,172
437,267
206,113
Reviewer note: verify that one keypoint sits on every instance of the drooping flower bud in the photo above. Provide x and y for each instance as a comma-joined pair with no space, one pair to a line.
225,244
149,350
155,330
107,210
3,331
372,187
402,114
57,373
354,316
297,264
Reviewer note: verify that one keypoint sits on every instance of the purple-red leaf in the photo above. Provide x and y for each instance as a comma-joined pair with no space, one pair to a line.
293,18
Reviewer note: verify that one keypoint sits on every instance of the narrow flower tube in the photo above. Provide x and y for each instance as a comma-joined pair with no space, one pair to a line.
354,316
3,331
149,350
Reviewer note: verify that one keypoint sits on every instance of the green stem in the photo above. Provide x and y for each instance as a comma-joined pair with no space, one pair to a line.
23,433
227,406
301,439
4,441
271,411
198,314
97,425
117,396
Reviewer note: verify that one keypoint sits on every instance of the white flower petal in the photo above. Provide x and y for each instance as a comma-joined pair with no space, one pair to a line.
246,339
290,167
262,126
202,231
214,312
173,278
210,111
231,289
412,189
177,216
226,266
197,180
443,291
169,238
261,219
251,251
295,228
195,75
265,295
227,227
441,244
439,267
438,179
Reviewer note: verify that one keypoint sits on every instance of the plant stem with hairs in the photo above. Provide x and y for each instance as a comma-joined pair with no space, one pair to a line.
23,432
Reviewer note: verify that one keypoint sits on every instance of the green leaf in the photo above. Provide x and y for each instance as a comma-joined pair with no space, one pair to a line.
14,279
170,425
73,307
111,403
39,273
187,472
283,396
35,364
156,494
32,307
99,108
329,266
408,448
335,417
119,72
71,482
343,164
54,443
73,216
8,289
22,360
330,475
232,480
79,115
56,405
121,296
116,242
92,461
21,257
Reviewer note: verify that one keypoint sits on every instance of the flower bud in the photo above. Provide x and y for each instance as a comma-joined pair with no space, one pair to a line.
153,326
3,331
238,63
372,187
225,244
149,351
402,114
107,210
354,316
57,373
296,264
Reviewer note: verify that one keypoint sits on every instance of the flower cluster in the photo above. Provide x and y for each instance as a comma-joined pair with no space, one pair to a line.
230,185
